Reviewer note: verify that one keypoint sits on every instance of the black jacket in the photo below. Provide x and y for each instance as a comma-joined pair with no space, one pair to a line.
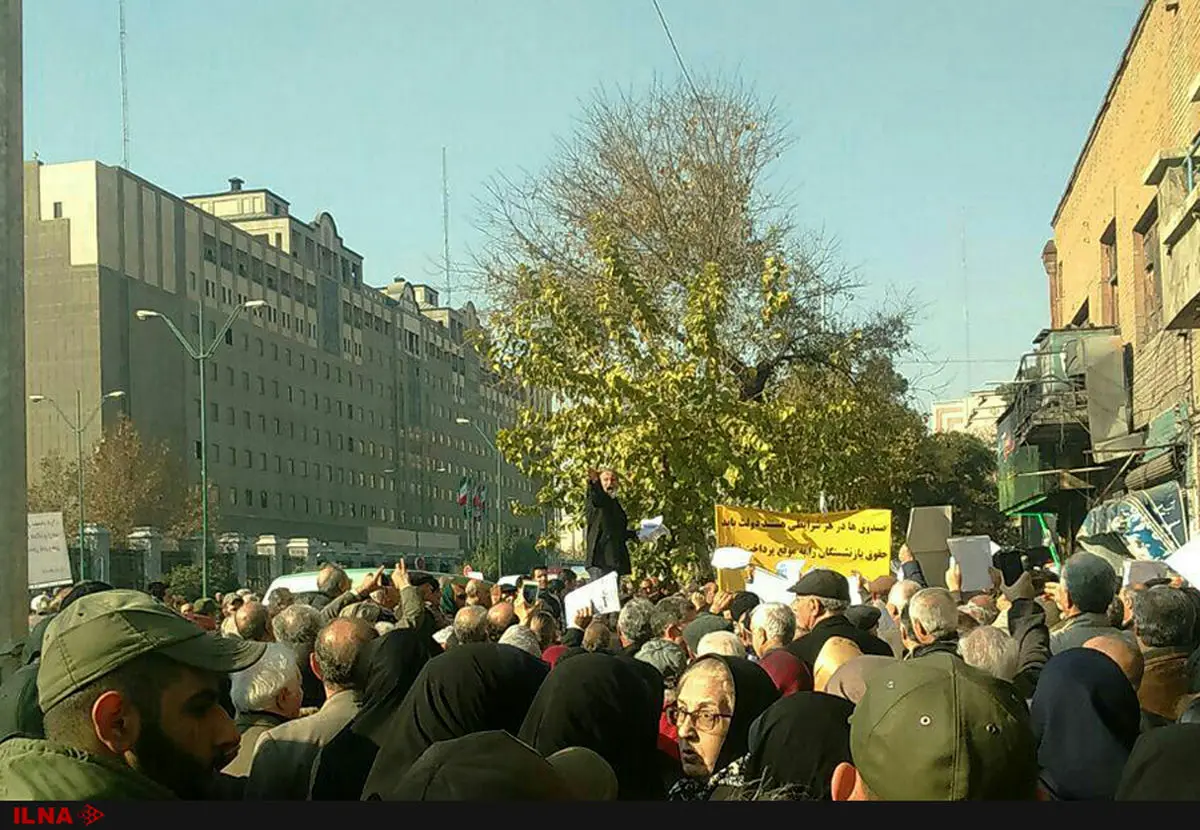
808,647
1027,625
608,532
936,647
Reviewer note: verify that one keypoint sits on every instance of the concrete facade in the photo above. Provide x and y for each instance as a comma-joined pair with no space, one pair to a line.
13,534
976,414
331,411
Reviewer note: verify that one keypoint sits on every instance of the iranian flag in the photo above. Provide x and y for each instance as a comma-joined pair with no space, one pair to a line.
464,490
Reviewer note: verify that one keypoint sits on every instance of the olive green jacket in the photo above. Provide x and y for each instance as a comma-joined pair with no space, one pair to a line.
37,770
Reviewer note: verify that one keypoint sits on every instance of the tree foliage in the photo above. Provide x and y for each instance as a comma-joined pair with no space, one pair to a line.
520,555
129,483
185,581
958,469
689,336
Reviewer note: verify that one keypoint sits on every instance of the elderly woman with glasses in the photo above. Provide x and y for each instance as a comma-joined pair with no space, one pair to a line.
718,698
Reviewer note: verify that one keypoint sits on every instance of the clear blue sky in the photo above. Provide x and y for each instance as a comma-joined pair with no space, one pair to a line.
909,117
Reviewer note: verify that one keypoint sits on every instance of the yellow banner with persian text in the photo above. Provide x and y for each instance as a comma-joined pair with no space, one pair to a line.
857,541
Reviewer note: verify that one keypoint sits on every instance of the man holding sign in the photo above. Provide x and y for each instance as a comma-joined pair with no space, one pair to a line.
608,532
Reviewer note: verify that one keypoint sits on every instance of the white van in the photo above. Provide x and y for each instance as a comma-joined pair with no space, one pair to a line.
306,582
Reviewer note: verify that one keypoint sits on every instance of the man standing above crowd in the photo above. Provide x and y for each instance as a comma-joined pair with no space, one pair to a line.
608,532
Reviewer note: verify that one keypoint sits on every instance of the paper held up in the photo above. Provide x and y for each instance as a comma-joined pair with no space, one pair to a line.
730,558
973,555
652,529
1186,562
602,595
474,575
770,587
790,569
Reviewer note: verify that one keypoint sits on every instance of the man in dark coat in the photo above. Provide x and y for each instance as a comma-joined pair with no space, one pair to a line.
608,532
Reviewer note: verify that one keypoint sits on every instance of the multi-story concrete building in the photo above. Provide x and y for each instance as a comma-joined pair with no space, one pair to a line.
974,414
332,411
1124,269
13,538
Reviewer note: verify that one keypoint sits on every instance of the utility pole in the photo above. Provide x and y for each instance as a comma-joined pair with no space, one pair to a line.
14,534
446,233
124,93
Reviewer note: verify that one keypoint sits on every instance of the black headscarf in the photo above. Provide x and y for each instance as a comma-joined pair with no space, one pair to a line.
609,704
798,742
753,694
1086,719
386,669
1162,766
474,688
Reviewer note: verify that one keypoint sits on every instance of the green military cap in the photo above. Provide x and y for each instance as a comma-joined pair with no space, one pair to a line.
935,729
206,606
101,632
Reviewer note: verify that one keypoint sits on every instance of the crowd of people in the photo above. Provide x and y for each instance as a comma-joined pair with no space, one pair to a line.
1061,685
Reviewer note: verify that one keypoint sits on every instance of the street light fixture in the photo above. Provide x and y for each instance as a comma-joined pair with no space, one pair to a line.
201,353
78,427
499,501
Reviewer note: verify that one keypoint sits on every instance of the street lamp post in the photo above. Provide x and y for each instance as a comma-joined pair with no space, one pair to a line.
79,426
499,500
201,354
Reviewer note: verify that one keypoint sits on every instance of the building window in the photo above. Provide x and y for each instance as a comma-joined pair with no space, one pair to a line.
262,462
262,499
249,465
1148,274
1111,312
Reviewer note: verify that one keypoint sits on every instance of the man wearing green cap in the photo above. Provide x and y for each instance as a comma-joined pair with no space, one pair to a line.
936,729
131,696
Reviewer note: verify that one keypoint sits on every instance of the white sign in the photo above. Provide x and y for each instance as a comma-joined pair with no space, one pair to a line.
973,555
1186,561
790,569
730,559
49,564
475,575
855,594
770,587
651,529
603,595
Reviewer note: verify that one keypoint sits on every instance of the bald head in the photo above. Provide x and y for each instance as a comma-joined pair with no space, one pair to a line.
337,649
332,581
1124,654
500,618
836,652
253,622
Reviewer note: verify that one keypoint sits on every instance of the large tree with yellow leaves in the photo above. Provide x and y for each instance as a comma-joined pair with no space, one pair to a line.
690,336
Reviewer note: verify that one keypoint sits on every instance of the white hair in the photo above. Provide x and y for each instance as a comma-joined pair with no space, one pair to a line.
257,688
721,642
990,649
776,621
519,636
901,593
385,628
936,611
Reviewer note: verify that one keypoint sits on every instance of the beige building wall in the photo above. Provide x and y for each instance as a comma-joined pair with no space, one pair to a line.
331,412
1098,269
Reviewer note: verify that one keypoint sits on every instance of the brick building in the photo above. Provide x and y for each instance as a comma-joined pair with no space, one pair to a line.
1124,277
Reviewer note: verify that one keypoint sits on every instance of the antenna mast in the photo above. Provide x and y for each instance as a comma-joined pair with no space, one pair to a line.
966,301
446,232
124,93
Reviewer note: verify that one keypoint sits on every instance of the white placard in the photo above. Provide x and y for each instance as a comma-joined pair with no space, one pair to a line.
49,563
730,559
475,575
1186,562
790,569
770,587
973,555
602,594
651,529
855,594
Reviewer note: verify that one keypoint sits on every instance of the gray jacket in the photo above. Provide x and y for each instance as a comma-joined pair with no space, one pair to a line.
1073,632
